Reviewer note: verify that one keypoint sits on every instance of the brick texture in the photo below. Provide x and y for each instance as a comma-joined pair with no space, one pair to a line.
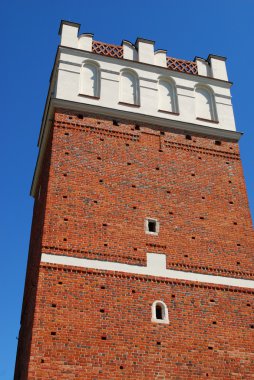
100,180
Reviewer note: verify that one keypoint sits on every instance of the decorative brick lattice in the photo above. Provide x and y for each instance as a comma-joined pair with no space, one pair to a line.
107,49
116,51
181,65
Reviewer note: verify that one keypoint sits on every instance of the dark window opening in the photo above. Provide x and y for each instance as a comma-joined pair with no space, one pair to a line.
158,311
151,225
115,123
188,137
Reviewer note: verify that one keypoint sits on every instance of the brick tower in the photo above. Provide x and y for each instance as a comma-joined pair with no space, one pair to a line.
141,255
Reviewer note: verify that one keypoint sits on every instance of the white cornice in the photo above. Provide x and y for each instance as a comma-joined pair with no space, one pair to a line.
169,124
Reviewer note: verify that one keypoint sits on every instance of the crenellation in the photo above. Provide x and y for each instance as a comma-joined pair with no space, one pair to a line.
160,58
85,42
142,51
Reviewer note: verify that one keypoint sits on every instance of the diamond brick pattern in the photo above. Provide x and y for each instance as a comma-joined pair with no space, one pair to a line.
181,65
107,49
116,51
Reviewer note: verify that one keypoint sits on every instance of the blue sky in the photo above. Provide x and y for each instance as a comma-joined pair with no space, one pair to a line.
29,38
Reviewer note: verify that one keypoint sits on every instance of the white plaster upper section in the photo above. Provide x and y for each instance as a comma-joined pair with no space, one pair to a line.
156,266
67,82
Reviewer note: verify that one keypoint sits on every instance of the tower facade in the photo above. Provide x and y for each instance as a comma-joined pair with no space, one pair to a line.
141,254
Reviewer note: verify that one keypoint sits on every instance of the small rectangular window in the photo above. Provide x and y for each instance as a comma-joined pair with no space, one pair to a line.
151,226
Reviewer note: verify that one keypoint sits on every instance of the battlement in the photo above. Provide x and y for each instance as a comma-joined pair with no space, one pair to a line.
142,51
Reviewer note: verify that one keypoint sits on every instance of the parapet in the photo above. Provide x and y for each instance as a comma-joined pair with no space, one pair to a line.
142,51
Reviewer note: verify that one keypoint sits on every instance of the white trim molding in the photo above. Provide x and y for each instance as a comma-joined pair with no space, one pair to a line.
156,266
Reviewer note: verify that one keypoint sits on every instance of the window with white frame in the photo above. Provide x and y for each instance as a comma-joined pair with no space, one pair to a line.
159,312
151,226
129,87
90,79
205,103
167,96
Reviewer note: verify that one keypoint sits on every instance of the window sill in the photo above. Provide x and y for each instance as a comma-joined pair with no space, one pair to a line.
169,112
89,96
207,120
152,233
129,104
164,321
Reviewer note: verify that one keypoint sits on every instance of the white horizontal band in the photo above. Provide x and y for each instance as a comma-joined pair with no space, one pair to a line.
156,266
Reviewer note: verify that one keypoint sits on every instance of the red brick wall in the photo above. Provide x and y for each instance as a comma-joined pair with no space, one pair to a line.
209,334
98,184
34,257
193,187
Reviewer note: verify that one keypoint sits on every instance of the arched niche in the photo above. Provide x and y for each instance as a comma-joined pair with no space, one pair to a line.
205,103
159,312
167,96
129,87
90,79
